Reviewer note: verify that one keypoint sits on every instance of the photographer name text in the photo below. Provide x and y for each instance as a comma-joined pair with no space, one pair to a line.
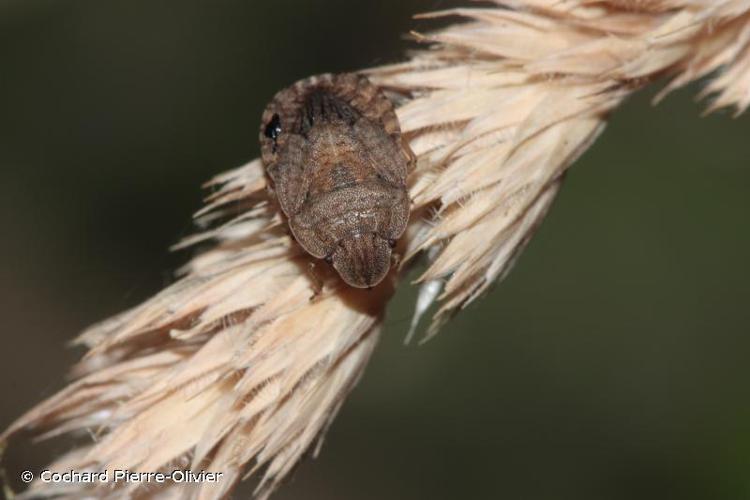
126,476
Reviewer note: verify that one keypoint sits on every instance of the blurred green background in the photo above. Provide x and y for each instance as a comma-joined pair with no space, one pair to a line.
611,364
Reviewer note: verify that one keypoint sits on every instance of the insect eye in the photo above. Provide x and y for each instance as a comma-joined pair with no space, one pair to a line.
273,129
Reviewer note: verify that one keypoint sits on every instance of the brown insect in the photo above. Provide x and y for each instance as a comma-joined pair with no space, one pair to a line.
332,147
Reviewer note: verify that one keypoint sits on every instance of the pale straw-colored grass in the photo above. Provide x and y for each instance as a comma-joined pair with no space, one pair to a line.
235,368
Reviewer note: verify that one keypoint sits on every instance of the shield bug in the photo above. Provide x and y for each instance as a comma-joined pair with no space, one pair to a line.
332,148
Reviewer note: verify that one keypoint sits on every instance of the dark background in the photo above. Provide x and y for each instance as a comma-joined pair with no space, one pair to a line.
612,364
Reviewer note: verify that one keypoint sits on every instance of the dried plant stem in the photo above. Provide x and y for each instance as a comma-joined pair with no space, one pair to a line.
235,365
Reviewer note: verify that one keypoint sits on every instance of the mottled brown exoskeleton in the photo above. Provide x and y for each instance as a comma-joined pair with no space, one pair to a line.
332,148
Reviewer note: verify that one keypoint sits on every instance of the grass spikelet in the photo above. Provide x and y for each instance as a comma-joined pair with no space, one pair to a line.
241,364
